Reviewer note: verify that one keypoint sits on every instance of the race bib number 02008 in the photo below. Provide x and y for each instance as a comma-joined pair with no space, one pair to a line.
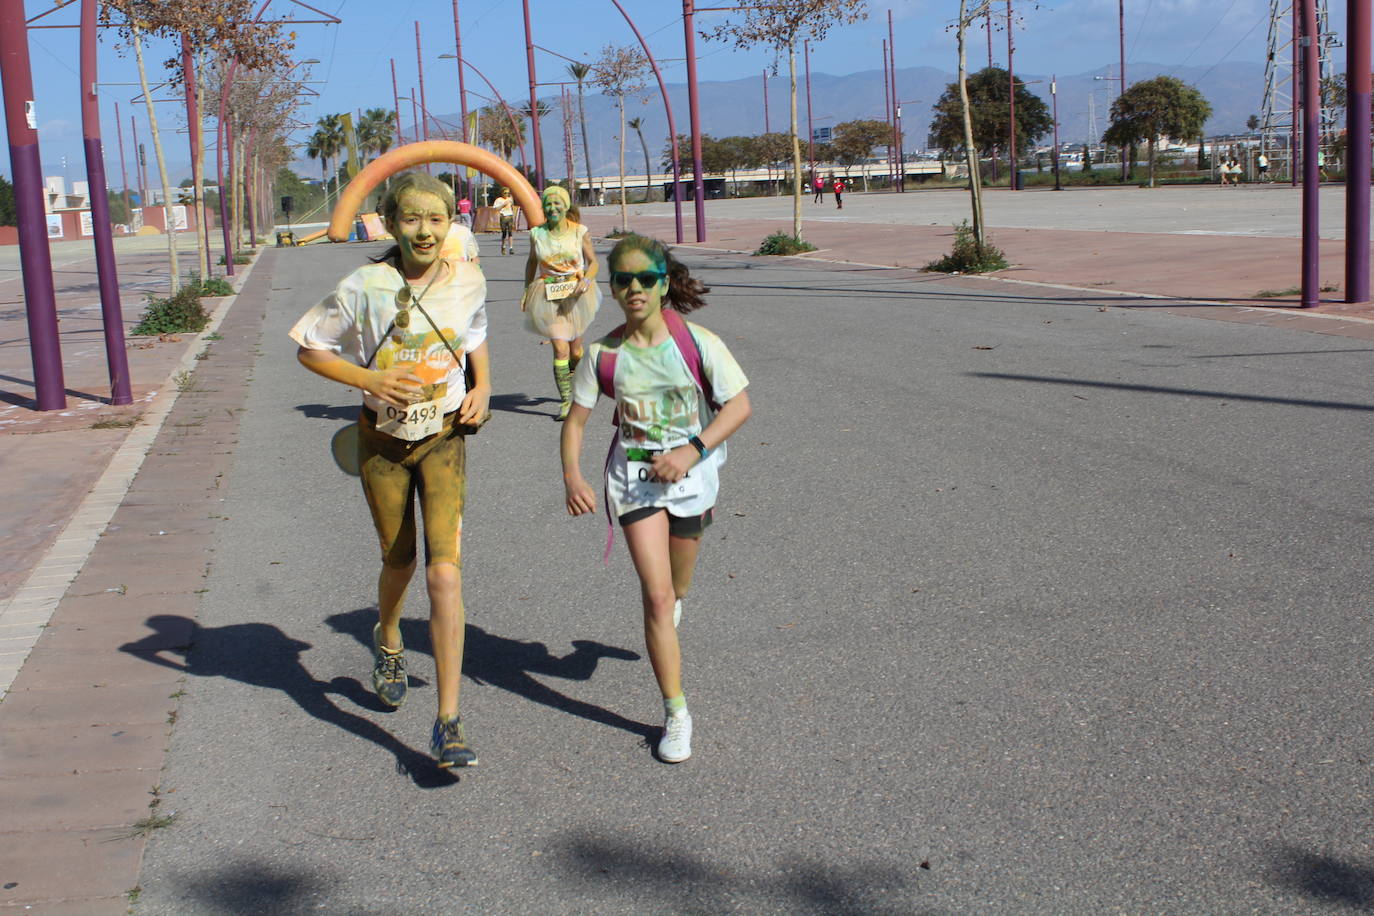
555,290
411,423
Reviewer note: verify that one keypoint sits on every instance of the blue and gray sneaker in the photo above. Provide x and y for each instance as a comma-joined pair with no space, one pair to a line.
448,745
388,671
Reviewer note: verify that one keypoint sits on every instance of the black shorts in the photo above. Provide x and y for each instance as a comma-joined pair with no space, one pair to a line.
507,225
691,526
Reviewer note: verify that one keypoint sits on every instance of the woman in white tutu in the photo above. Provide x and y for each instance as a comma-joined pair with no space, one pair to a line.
560,297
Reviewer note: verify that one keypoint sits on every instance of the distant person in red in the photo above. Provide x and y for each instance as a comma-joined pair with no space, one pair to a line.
819,184
465,211
838,187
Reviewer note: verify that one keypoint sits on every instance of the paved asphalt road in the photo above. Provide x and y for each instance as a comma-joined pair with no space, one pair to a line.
1015,605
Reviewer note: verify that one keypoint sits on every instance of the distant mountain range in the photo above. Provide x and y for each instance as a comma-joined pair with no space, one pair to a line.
735,107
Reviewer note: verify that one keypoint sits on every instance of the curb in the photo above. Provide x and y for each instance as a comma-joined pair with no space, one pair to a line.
28,610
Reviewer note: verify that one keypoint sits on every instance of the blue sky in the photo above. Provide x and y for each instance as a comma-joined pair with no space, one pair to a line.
1064,36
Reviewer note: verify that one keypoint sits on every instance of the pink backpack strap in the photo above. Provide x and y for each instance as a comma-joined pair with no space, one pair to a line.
691,353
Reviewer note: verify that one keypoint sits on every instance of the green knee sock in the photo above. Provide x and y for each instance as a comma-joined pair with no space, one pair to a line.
562,377
674,705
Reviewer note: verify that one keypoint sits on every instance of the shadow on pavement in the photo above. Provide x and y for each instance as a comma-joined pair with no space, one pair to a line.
252,887
1323,878
1161,389
348,412
519,402
634,869
263,656
509,663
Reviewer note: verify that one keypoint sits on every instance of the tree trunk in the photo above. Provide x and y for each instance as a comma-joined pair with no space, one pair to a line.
1151,154
648,182
235,212
161,160
198,171
624,207
970,151
796,144
586,150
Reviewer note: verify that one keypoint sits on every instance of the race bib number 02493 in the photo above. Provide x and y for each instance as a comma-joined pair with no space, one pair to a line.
411,423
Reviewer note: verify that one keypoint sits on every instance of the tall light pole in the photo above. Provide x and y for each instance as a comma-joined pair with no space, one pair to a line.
458,58
534,104
1054,102
887,117
396,100
896,105
1357,166
1311,138
810,131
116,357
1013,181
689,41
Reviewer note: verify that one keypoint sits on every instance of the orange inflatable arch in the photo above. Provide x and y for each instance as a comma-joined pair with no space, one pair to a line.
413,154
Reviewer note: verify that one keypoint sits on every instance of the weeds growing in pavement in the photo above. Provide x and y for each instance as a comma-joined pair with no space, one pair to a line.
780,243
968,257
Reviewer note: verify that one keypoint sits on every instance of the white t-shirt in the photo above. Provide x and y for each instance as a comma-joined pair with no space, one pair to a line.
660,409
460,244
352,320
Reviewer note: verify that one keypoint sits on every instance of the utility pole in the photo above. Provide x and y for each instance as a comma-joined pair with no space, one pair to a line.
1311,138
1013,180
896,105
458,50
1054,102
689,41
26,168
1121,34
534,105
1357,166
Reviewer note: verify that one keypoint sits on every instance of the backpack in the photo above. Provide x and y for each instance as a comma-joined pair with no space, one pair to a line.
605,377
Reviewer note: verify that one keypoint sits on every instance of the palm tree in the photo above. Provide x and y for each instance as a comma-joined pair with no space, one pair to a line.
543,109
579,71
376,130
324,144
637,123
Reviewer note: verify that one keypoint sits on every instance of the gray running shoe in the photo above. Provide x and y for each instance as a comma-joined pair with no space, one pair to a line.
388,671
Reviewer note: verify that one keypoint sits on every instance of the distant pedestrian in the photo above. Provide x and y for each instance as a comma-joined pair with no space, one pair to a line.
465,211
819,185
421,320
1262,164
662,474
505,211
1321,165
838,187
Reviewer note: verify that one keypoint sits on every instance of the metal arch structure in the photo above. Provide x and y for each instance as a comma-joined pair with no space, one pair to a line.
403,157
1280,114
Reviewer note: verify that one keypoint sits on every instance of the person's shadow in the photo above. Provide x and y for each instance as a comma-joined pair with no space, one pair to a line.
509,663
263,656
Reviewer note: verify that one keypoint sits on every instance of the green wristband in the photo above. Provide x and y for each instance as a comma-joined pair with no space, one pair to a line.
700,446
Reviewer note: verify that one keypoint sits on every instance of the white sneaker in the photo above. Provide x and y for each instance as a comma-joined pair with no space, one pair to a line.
677,613
676,744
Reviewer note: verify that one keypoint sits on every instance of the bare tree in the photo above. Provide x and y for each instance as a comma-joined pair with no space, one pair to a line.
780,24
620,71
980,9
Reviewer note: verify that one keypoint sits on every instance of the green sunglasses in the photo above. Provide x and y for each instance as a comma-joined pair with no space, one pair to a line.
646,278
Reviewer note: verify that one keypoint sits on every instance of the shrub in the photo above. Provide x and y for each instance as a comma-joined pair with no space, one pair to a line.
180,313
215,286
240,257
968,257
780,243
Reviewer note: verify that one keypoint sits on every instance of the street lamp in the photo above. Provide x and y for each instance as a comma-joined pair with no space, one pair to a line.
1054,102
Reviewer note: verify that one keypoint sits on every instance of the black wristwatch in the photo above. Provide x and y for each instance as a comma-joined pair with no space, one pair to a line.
700,446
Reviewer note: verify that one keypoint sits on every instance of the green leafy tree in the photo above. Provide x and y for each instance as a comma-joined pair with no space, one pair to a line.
990,111
377,130
499,131
9,216
853,141
1149,110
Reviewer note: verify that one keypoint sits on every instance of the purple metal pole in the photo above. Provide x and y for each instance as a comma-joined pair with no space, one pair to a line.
458,52
1297,97
1012,179
396,100
116,357
1121,34
534,105
424,109
887,116
123,172
1311,177
810,131
415,115
672,125
895,154
1357,154
690,44
35,260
